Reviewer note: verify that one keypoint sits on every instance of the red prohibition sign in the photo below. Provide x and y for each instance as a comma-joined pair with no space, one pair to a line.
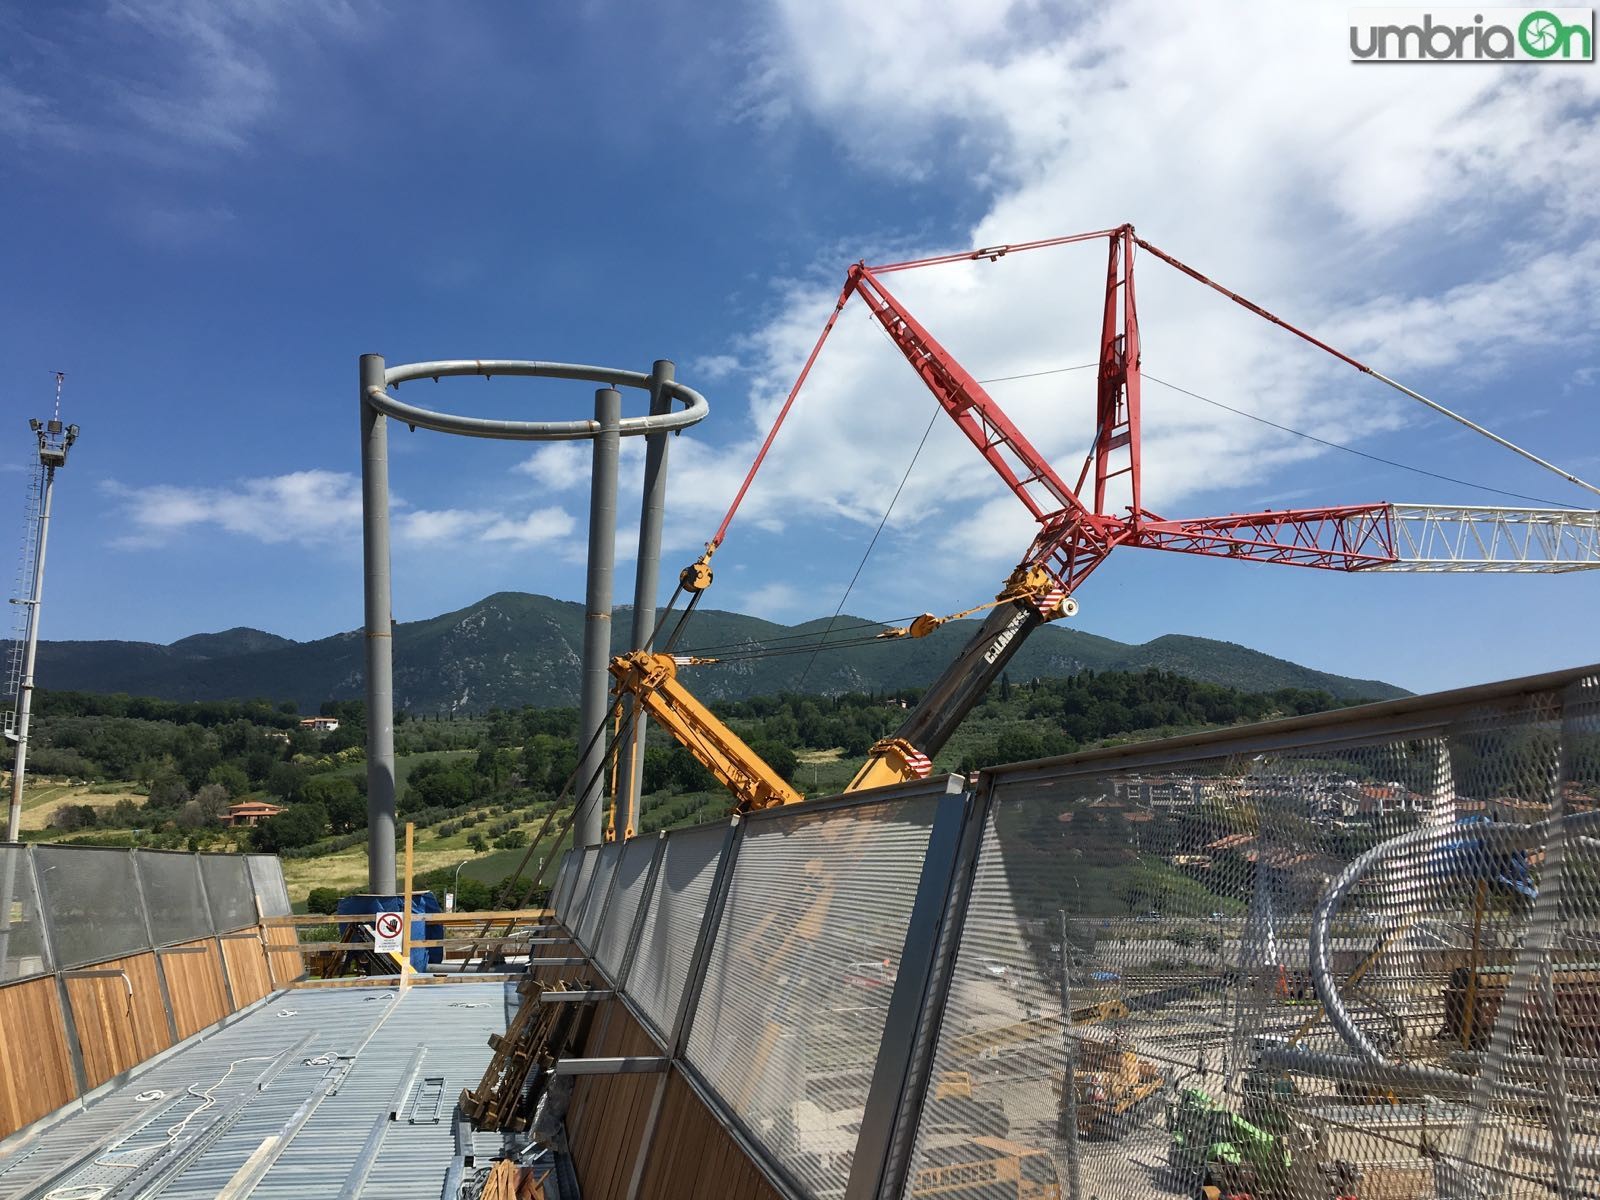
388,925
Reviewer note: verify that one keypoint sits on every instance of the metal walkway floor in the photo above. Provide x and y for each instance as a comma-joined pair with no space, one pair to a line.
292,1100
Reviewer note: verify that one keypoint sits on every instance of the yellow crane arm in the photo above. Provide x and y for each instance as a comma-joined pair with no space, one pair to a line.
653,681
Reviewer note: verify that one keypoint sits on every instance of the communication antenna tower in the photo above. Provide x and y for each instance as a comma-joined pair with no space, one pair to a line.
54,441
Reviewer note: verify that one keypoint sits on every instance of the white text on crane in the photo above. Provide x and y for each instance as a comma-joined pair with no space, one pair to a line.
1006,634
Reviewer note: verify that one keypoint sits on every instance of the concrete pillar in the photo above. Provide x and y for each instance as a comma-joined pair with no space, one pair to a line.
652,508
593,702
379,634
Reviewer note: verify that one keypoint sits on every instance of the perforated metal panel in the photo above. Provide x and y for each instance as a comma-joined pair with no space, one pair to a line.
91,903
572,913
1366,966
798,981
605,870
172,896
633,872
673,916
22,946
232,899
266,877
565,878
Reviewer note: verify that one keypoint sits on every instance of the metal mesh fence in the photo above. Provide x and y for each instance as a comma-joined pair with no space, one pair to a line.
266,877
172,896
605,869
232,899
22,945
1366,967
798,981
572,911
91,902
561,889
673,915
633,872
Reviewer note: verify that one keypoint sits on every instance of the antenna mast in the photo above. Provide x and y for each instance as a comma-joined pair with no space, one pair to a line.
54,440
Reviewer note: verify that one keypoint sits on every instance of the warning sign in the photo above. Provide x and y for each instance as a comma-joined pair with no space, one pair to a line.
387,928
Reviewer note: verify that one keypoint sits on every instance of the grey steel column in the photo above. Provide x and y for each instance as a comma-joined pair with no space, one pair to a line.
597,613
380,640
19,765
647,577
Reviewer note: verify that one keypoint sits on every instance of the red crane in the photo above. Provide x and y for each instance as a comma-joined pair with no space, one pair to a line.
1076,531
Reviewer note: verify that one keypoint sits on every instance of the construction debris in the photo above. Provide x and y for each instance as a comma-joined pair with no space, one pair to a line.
524,1056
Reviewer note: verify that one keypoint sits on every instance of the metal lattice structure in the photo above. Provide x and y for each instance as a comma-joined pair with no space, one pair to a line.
20,594
1501,540
1350,954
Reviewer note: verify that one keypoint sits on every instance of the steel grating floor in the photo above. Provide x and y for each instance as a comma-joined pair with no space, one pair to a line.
291,1100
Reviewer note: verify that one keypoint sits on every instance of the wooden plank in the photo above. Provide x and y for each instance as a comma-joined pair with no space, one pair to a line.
389,981
428,943
121,1018
285,970
195,983
36,1074
248,972
691,1145
405,926
457,918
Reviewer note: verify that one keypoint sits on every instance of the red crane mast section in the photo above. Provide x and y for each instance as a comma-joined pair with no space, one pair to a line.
1076,532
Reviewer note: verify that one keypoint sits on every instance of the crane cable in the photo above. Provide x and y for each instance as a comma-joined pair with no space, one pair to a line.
1364,368
866,554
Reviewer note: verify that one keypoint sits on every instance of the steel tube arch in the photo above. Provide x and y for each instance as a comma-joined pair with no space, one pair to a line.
377,407
694,404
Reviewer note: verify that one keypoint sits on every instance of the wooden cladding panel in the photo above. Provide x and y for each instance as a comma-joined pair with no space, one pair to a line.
607,1113
194,981
248,972
121,1019
35,1068
285,968
692,1157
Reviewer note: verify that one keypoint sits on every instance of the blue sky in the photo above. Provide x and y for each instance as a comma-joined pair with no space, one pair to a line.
211,209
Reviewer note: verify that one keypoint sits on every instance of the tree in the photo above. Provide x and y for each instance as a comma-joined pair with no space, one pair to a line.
323,900
168,791
295,827
70,818
232,777
340,795
477,843
285,781
212,800
516,839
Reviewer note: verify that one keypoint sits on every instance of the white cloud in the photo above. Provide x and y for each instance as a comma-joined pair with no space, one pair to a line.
309,507
540,527
715,367
557,466
316,508
181,76
1429,219
778,602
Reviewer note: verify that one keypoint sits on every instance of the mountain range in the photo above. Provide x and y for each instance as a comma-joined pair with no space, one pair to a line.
513,648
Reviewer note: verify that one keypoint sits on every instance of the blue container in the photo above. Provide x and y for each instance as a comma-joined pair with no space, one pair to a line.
422,930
